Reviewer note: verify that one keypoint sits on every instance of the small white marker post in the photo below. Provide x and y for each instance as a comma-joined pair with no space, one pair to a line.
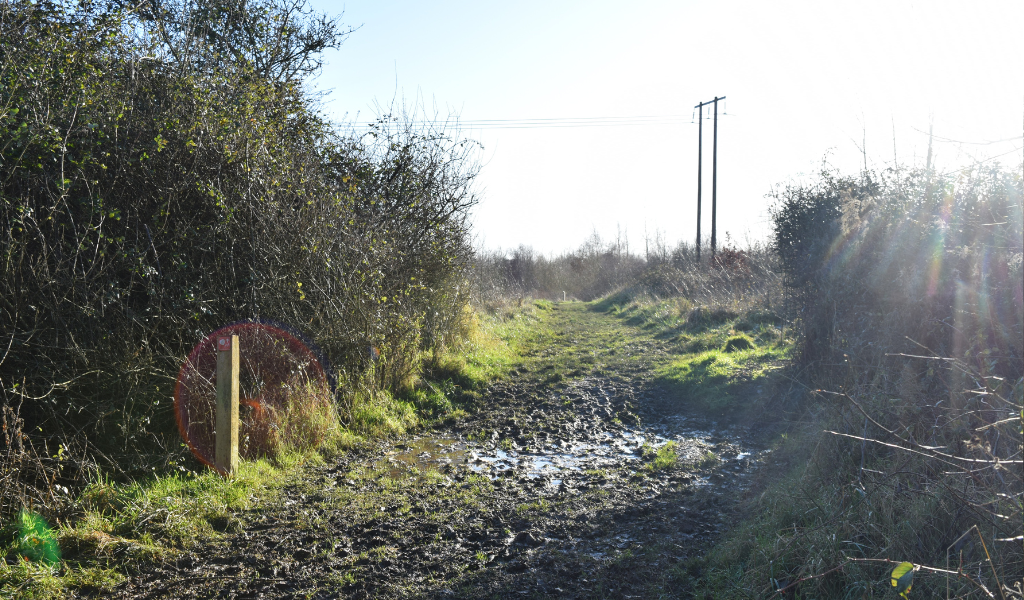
228,361
563,296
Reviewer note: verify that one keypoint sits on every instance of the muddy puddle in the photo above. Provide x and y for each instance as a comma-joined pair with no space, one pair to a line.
698,443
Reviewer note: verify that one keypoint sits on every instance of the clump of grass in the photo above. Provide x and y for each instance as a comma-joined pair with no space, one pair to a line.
539,506
145,520
664,458
708,459
493,344
717,381
28,580
381,414
702,317
756,319
739,342
301,417
191,505
433,400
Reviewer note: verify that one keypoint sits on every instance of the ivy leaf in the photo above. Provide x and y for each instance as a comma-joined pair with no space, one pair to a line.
903,578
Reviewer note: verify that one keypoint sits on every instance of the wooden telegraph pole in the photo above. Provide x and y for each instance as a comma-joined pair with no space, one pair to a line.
700,149
714,185
228,361
714,174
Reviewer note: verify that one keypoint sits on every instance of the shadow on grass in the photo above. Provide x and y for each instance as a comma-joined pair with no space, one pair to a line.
721,383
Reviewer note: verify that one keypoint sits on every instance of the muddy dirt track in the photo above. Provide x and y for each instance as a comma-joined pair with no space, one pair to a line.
548,491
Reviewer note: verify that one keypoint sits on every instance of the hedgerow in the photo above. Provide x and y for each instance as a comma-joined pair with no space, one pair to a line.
164,170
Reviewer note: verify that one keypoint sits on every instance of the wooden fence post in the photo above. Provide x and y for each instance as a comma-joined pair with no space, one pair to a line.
228,361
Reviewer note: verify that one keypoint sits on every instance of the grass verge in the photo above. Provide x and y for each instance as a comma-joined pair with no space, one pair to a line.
123,524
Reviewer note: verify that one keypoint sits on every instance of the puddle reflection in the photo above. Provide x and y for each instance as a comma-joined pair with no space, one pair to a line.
606,449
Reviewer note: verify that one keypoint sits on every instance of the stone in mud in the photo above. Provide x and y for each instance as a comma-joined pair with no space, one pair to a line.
526,538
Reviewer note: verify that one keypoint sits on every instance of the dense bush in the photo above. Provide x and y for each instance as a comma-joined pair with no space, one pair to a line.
164,172
902,262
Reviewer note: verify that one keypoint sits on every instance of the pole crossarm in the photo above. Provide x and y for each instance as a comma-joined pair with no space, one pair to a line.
709,102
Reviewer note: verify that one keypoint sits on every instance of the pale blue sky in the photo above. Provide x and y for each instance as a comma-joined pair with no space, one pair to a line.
802,79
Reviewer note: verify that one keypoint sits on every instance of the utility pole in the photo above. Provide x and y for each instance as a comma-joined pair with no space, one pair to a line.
714,184
700,148
714,174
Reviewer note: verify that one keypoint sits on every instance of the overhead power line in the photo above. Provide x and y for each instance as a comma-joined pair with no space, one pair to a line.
969,143
544,123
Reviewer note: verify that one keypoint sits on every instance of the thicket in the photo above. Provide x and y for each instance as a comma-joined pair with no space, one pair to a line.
164,171
907,287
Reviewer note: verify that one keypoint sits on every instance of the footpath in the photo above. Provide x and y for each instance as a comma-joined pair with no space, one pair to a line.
578,478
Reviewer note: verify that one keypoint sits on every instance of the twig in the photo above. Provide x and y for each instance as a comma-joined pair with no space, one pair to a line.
984,427
215,577
919,356
807,578
933,453
926,568
939,454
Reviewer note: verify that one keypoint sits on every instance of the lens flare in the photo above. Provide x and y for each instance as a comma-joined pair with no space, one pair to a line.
285,391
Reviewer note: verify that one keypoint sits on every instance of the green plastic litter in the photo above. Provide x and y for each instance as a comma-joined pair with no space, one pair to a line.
36,541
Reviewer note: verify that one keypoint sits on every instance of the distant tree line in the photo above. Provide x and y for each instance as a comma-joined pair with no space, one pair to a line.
600,267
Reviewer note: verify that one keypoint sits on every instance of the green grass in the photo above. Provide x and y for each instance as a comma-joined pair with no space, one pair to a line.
492,349
664,458
124,524
383,414
717,381
720,357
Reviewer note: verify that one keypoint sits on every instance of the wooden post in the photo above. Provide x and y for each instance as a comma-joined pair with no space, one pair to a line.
227,404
